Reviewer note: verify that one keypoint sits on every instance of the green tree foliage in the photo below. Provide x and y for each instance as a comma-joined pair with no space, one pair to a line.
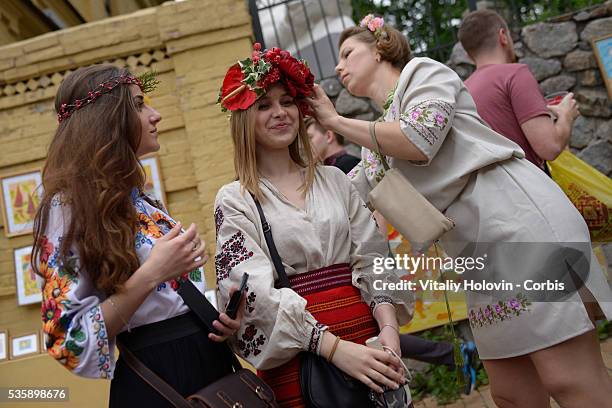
431,25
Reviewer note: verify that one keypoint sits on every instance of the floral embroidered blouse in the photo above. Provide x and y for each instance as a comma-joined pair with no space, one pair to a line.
75,333
335,227
438,115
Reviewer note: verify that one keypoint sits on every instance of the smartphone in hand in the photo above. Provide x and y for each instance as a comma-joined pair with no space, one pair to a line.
232,306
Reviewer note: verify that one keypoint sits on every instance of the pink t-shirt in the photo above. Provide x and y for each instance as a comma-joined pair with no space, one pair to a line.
506,96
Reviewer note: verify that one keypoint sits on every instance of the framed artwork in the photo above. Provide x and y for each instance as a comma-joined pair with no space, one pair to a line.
29,284
24,345
153,181
3,345
20,198
602,47
211,295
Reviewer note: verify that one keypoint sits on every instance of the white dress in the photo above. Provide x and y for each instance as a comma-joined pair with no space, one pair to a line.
481,180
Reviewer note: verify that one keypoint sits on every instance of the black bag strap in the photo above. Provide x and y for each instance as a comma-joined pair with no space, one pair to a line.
155,381
276,259
196,301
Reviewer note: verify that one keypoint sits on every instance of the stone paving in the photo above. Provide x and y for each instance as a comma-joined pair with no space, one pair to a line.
481,398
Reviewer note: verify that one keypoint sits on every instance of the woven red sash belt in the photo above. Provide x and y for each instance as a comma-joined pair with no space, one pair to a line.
334,302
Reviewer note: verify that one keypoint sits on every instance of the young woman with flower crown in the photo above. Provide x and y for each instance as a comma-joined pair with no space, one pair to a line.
534,346
326,237
112,257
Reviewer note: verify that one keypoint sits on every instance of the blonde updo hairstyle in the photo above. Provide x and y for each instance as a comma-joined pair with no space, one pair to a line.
391,44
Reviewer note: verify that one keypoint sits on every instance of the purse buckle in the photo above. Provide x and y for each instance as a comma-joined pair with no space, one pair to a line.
237,405
260,392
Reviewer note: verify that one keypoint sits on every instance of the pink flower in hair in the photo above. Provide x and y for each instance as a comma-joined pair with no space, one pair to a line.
366,21
375,23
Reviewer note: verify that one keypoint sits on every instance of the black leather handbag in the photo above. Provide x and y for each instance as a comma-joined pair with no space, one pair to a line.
324,385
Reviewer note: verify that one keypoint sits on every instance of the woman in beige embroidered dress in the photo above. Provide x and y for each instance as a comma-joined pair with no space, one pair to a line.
432,133
326,237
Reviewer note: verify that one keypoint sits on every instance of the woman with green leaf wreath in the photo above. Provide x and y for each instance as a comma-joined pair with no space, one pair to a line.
112,258
534,344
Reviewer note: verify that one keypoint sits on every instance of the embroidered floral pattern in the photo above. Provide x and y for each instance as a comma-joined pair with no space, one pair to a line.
148,226
249,342
218,219
315,337
104,358
233,252
56,306
427,118
141,239
355,171
499,312
250,301
163,222
373,166
378,299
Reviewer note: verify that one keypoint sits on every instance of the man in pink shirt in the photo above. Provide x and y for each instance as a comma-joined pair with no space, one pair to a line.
507,95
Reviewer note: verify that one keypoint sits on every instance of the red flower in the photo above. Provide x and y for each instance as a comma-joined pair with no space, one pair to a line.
233,80
297,77
271,78
46,249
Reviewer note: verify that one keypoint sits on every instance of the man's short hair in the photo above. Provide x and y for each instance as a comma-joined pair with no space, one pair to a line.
478,31
310,121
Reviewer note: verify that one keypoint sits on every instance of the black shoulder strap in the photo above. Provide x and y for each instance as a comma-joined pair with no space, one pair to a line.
198,304
276,259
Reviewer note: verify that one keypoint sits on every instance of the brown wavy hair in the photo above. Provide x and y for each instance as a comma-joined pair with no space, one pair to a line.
92,167
393,47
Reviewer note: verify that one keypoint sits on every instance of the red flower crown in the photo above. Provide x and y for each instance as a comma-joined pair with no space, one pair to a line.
146,82
249,79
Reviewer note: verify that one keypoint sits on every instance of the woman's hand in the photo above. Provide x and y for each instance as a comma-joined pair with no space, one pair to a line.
389,336
370,366
323,108
174,254
227,327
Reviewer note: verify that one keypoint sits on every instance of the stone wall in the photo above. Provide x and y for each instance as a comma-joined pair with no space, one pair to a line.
190,44
559,54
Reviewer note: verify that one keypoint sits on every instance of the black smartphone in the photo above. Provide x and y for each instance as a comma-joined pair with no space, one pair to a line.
232,306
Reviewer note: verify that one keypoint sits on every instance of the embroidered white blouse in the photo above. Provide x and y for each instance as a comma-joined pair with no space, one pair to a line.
437,114
72,318
335,227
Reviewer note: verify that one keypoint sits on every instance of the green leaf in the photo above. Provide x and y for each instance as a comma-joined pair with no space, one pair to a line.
72,346
78,335
195,275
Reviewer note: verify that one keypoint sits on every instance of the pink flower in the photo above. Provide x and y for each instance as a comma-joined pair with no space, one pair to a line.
514,304
415,114
375,23
366,20
439,118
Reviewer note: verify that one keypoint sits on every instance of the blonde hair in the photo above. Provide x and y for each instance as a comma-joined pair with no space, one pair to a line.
242,126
